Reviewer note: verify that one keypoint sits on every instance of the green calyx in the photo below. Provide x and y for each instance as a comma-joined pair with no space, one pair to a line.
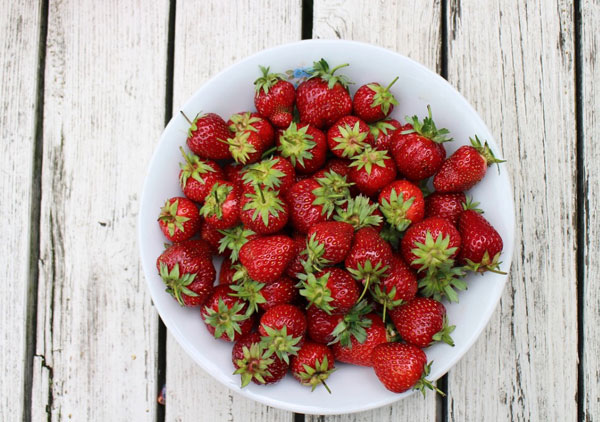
433,253
296,144
383,97
381,127
444,333
313,376
353,324
469,204
249,290
391,235
233,239
351,140
177,284
193,167
254,364
333,192
487,264
264,174
316,292
279,343
427,128
359,213
368,158
193,123
424,383
395,208
213,204
226,320
267,80
264,203
387,299
168,215
321,70
445,281
313,260
240,148
368,274
486,152
242,122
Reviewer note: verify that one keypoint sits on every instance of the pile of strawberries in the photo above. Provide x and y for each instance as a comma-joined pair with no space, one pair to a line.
335,247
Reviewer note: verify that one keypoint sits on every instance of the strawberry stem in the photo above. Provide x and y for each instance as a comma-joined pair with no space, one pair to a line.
339,67
186,117
326,386
391,83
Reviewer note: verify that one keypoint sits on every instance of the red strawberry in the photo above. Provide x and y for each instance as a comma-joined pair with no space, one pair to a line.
401,367
445,205
348,137
179,219
338,165
332,290
279,292
371,170
422,322
226,272
248,121
303,212
402,203
275,173
282,328
482,244
234,172
248,357
263,211
199,246
328,243
295,267
206,136
266,258
334,191
274,98
221,207
383,131
360,212
359,352
321,324
342,328
246,147
373,102
211,237
187,272
324,98
197,176
397,287
304,145
465,168
231,240
313,365
225,316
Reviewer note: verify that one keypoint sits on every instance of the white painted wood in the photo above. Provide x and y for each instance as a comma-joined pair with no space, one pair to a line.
210,35
19,32
514,61
590,44
394,25
103,114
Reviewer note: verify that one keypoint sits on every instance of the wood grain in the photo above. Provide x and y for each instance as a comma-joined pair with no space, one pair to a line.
419,38
514,61
20,33
235,30
103,113
590,101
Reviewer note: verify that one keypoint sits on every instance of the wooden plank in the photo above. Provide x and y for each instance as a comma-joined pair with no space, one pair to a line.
419,38
203,47
590,74
514,61
104,112
20,33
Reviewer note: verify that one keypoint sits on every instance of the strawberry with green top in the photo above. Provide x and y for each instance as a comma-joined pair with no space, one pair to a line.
263,211
248,121
402,204
179,219
304,213
274,97
397,287
445,282
332,328
234,173
225,316
248,357
360,212
275,173
445,205
374,102
371,170
207,135
282,328
383,131
246,147
333,290
304,145
266,257
348,137
221,207
327,244
232,239
359,352
313,365
211,237
423,322
482,244
197,176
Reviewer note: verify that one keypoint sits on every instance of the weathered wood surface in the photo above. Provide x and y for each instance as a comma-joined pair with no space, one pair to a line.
20,33
103,112
235,30
515,62
420,39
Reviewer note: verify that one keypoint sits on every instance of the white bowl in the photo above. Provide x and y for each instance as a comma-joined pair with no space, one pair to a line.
353,388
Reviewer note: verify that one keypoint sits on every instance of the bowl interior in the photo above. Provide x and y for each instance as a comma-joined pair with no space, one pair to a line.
232,91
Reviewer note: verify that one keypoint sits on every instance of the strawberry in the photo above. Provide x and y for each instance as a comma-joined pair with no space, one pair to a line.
226,272
206,136
303,212
328,243
359,352
482,244
401,367
323,98
374,102
445,205
402,203
383,131
333,191
248,357
274,97
199,246
231,240
279,292
248,121
312,365
246,147
360,212
197,176
397,287
211,237
234,172
282,329
371,170
275,173
266,258
320,324
337,165
342,328
422,322
332,290
221,207
296,267
465,168
225,316
304,145
348,137
179,219
263,211
187,272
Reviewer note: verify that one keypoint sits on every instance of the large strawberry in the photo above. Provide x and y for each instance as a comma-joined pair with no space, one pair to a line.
282,328
274,97
266,258
207,136
179,219
397,287
332,290
402,203
225,316
271,173
197,176
323,98
221,207
371,170
248,357
248,121
187,272
465,168
360,212
313,365
328,243
349,136
422,322
304,145
263,211
445,205
482,244
383,131
359,352
374,102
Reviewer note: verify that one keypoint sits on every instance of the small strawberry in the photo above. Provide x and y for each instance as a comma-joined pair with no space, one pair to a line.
359,352
371,170
312,365
402,203
248,357
197,176
246,147
266,258
320,324
328,243
274,97
279,292
465,168
482,244
263,211
374,102
360,212
383,131
323,98
226,272
342,328
332,290
206,136
337,165
231,240
282,329
422,322
211,237
397,287
179,219
304,145
348,137
303,212
296,267
248,121
234,172
275,173
225,316
401,367
221,207
445,205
